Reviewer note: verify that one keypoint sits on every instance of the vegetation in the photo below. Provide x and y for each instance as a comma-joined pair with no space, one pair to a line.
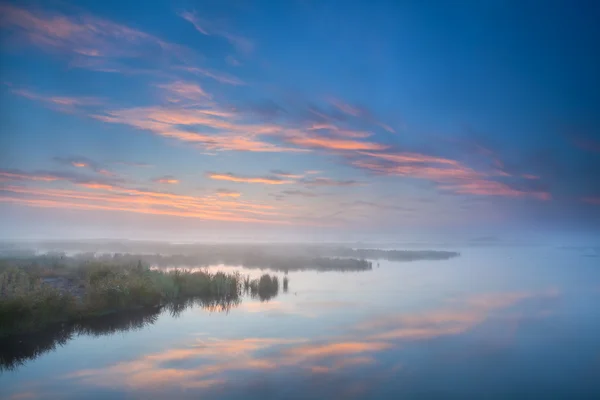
44,290
277,257
15,350
264,288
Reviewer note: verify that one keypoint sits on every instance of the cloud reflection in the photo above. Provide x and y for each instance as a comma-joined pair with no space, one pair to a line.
208,363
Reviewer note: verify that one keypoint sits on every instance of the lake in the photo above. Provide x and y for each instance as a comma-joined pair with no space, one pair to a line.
494,323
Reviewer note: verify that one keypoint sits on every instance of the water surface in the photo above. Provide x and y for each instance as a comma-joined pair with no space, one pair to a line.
493,323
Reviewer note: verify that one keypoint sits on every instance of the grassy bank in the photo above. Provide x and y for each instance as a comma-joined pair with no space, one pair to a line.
34,296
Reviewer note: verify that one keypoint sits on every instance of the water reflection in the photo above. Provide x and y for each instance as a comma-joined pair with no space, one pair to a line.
221,366
16,350
460,329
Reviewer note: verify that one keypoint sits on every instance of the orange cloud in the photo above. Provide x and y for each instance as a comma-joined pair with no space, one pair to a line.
411,158
337,349
231,134
114,198
242,179
447,321
217,358
321,142
215,361
167,179
227,193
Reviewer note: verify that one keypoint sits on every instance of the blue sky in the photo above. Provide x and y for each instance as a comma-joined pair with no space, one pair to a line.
155,118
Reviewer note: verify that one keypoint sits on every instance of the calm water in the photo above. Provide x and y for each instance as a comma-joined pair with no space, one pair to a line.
493,323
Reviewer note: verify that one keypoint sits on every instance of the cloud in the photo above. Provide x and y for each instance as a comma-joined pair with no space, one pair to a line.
227,193
322,142
132,164
591,200
59,103
102,196
284,174
184,90
321,181
493,188
166,179
225,363
217,76
346,108
376,206
52,176
587,144
194,20
231,60
85,37
337,349
109,193
458,317
267,180
448,174
214,361
242,44
530,176
359,112
85,163
266,109
301,193
210,126
34,176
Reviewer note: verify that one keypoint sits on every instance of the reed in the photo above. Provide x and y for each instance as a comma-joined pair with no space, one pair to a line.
32,297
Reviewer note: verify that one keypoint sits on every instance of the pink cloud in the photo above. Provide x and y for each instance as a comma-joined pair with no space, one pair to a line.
346,108
86,36
186,90
493,188
592,200
322,142
447,173
60,103
247,179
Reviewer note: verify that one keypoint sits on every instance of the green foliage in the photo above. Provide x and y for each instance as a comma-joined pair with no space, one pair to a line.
32,296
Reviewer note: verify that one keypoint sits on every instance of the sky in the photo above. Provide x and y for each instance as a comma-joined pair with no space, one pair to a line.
312,119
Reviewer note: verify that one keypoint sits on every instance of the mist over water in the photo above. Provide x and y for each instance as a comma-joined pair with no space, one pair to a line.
496,321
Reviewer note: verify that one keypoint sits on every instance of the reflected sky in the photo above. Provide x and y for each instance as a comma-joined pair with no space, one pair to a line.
516,323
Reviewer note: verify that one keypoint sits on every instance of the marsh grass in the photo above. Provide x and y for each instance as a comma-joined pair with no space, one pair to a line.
32,297
264,288
285,283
